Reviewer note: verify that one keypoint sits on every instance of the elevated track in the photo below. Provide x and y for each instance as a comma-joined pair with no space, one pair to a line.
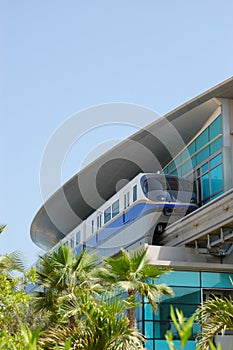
209,229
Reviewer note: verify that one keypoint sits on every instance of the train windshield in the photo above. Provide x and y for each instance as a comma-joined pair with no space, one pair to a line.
178,184
167,187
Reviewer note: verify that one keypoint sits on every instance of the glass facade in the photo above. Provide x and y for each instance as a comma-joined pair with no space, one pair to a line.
202,161
190,288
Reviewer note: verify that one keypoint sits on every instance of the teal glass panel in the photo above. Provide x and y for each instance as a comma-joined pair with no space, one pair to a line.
157,330
139,313
139,325
162,345
216,160
216,127
148,312
178,160
204,168
148,329
202,139
174,172
161,328
172,167
192,148
194,161
205,186
216,145
180,278
216,178
186,167
184,295
149,344
202,155
216,280
217,195
187,309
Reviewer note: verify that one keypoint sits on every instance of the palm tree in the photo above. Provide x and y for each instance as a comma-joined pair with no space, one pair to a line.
132,273
103,326
62,277
215,315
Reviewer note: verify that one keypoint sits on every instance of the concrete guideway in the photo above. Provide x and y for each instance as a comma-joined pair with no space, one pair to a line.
209,229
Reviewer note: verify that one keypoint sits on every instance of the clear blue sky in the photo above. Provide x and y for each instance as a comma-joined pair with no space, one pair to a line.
59,57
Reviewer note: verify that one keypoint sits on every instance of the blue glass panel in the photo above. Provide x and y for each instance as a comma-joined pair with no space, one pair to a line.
216,179
216,160
204,168
148,312
215,128
180,278
216,145
205,186
216,280
203,155
202,139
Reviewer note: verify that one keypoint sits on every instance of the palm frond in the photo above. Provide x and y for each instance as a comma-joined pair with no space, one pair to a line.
12,262
215,315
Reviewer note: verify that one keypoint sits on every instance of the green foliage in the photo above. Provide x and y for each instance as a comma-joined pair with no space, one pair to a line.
212,320
103,325
132,273
30,339
12,262
62,277
13,301
183,327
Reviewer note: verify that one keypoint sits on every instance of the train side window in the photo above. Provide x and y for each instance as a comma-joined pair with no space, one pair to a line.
77,237
115,208
126,200
107,215
92,226
99,221
135,194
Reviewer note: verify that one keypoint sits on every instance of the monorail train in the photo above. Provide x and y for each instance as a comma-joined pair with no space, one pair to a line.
131,216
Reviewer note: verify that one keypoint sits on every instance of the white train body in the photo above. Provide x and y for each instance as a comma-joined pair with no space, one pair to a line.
129,218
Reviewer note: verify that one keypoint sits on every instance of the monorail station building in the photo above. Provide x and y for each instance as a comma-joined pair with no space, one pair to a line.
189,230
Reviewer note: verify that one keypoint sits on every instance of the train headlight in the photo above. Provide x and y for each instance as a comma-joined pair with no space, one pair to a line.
161,198
193,200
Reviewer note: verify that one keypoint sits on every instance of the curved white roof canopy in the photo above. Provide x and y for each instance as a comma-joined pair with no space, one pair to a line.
148,150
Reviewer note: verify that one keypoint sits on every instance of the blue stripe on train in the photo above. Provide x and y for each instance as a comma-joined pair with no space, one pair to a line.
135,212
